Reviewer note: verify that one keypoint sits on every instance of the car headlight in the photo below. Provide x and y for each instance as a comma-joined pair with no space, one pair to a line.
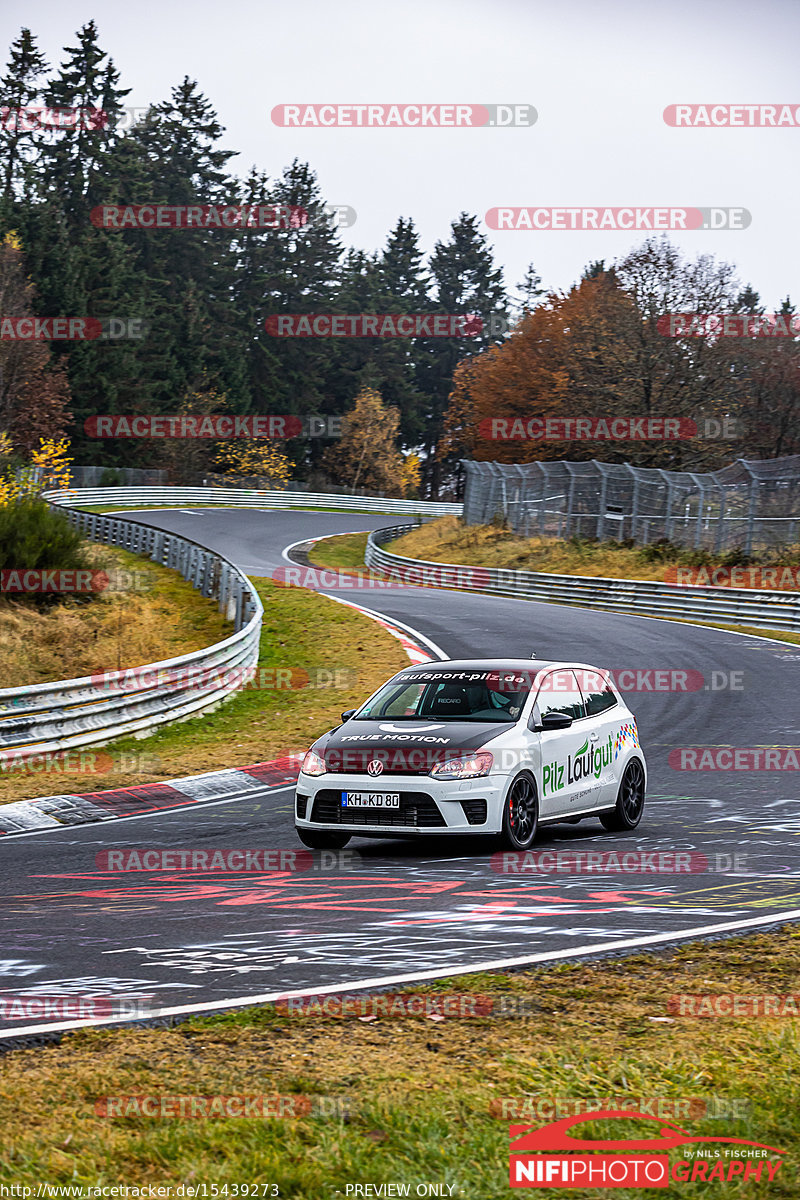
464,766
313,764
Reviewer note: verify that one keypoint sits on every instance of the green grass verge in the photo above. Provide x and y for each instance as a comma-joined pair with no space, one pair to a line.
115,508
342,552
415,1101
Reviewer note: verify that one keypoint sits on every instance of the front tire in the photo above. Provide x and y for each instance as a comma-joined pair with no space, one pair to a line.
627,813
521,813
322,839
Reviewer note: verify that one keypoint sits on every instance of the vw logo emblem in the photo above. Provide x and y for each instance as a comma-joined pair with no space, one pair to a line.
375,767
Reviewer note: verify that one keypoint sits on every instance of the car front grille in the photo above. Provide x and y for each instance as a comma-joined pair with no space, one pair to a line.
416,810
474,811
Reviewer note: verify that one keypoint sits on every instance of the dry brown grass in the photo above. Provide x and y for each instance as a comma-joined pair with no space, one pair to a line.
448,540
77,637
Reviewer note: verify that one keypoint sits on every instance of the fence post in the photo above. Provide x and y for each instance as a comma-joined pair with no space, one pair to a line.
751,512
721,519
601,516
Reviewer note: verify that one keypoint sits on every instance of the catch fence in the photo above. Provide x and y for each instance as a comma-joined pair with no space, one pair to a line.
750,505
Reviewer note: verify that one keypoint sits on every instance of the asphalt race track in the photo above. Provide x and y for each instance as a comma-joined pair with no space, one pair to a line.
406,909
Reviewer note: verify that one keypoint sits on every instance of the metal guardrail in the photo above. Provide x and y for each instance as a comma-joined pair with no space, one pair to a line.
204,497
54,717
736,606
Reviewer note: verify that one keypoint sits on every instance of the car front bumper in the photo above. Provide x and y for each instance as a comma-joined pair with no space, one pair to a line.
427,806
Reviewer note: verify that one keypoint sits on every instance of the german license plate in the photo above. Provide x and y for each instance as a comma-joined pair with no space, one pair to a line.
370,799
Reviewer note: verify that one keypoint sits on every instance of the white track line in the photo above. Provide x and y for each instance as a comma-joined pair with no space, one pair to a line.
437,651
439,973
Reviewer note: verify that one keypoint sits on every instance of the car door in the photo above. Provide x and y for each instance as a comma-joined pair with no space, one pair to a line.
604,715
562,789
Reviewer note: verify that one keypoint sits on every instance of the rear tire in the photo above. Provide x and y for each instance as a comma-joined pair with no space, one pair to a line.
521,813
627,813
322,839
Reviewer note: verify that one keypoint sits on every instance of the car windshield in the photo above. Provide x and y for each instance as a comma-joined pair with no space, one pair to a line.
450,696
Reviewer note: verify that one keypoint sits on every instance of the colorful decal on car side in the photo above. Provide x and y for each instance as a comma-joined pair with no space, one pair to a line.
627,734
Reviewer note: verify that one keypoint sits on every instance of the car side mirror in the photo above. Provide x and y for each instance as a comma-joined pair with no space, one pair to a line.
556,720
348,713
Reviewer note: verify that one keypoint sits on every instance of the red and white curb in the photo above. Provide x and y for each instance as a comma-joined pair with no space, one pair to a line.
50,812
53,812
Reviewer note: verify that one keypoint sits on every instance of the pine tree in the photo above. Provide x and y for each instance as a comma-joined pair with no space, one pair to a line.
298,271
748,301
528,292
404,275
20,89
466,281
73,160
173,158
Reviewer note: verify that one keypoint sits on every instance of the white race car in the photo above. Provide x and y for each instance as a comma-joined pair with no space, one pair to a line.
485,747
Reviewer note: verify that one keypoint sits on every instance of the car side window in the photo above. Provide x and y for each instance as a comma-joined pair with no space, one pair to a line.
559,692
598,699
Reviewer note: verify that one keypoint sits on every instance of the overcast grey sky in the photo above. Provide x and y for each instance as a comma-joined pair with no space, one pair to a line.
599,72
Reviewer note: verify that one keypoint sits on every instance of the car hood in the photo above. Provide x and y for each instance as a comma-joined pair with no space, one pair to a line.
405,746
391,735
